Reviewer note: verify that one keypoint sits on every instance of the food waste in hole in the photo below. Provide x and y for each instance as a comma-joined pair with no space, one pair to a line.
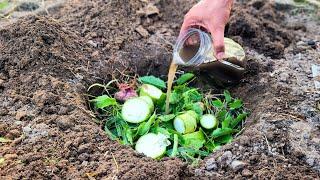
195,124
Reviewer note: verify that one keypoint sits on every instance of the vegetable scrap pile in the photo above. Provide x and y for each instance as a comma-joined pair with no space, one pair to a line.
198,123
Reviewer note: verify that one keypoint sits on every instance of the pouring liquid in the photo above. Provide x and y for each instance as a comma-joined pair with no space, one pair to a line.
171,75
186,53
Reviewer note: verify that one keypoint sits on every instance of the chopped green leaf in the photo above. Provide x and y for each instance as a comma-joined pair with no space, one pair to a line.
197,108
4,4
221,115
185,78
191,95
109,133
226,122
224,139
104,101
227,96
145,127
239,118
129,135
159,83
162,131
166,118
217,103
221,132
236,104
174,97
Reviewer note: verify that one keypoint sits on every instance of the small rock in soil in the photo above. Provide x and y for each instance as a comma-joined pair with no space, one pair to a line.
63,110
225,159
310,161
149,10
84,163
284,77
1,82
311,43
18,122
13,134
84,148
142,31
301,43
237,165
20,115
95,53
17,141
10,156
64,123
35,132
211,165
93,44
246,173
3,111
244,140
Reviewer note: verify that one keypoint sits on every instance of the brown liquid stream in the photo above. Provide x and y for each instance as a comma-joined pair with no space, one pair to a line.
171,75
186,54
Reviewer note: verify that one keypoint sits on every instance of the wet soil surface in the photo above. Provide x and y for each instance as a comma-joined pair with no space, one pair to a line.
47,62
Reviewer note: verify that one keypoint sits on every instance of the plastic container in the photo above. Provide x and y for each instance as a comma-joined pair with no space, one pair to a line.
195,49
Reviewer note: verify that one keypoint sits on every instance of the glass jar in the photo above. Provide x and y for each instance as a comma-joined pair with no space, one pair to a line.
195,49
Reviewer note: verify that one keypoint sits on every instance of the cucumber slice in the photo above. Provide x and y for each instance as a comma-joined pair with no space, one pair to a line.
135,110
185,123
208,121
149,101
151,91
152,145
193,114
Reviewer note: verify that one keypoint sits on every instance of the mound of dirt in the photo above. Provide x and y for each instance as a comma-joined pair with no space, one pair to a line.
258,24
43,67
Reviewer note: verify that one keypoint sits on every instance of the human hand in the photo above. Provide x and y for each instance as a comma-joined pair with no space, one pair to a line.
211,16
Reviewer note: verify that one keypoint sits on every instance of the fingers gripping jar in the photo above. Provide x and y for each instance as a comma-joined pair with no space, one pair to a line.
195,49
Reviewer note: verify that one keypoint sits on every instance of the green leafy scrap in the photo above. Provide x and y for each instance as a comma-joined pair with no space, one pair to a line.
185,78
145,126
222,131
217,103
191,147
159,83
241,117
4,4
166,118
227,96
236,104
104,101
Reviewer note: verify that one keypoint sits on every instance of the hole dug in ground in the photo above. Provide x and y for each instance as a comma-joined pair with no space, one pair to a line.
43,109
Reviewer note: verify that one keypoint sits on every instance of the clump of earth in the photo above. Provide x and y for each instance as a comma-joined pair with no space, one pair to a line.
48,61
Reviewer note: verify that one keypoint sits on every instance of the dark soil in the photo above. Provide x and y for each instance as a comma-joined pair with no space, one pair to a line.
46,64
260,27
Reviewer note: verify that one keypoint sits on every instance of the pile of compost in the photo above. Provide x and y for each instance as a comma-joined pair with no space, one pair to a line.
47,63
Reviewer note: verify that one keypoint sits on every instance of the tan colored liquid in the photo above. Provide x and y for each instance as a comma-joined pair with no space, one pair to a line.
188,52
171,75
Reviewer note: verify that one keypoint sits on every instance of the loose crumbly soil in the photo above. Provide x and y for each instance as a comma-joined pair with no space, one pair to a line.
47,62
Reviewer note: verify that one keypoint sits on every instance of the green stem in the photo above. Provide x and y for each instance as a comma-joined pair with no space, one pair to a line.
175,146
